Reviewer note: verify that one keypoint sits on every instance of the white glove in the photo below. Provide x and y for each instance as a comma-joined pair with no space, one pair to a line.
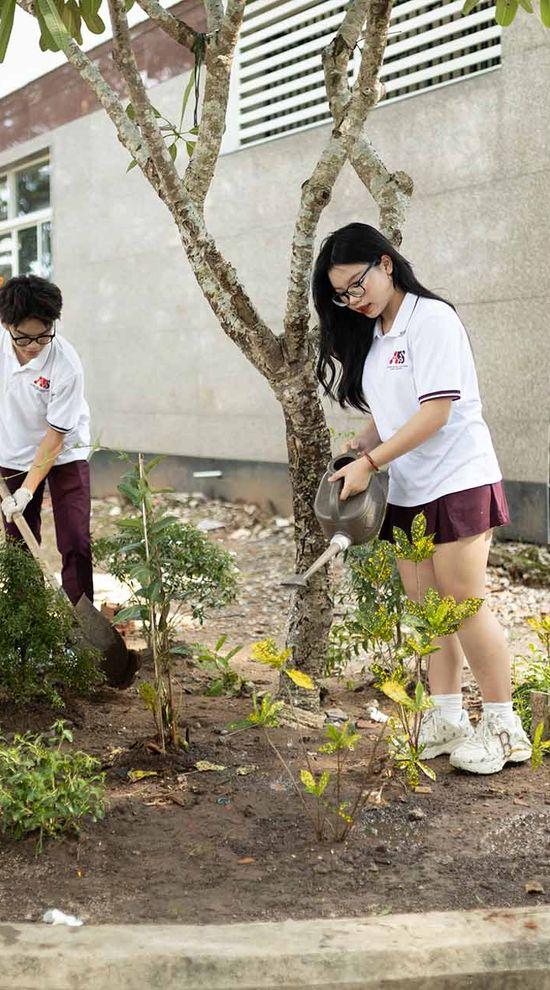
17,502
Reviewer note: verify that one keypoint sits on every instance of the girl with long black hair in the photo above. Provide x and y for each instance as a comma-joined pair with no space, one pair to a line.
399,353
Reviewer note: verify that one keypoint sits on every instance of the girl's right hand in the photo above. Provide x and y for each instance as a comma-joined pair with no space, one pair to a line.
354,443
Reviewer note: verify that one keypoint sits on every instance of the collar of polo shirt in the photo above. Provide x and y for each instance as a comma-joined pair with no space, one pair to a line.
401,318
36,364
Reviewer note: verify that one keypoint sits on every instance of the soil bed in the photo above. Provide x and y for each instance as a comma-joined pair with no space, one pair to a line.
236,844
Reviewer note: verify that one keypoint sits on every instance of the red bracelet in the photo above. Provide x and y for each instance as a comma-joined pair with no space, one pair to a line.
372,464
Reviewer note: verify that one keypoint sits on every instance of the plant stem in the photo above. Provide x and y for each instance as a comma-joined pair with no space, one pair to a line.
159,686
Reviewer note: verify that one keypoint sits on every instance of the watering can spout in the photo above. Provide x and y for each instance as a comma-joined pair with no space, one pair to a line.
338,543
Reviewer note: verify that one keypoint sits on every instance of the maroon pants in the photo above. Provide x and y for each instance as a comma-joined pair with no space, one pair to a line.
69,486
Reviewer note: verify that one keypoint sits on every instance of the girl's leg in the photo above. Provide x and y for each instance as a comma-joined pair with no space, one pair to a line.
445,666
460,570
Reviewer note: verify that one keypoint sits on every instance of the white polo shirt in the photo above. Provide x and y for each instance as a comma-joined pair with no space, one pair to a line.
48,391
427,355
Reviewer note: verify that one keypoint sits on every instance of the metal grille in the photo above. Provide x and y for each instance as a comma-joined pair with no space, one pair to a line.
280,85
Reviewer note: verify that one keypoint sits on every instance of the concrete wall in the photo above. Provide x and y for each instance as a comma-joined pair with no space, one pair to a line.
161,375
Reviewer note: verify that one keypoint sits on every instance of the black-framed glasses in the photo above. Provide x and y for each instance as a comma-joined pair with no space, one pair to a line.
355,290
42,338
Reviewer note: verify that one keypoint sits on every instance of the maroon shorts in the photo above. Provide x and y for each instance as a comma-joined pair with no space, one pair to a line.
466,513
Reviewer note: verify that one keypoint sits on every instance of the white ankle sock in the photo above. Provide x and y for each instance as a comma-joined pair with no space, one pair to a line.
503,709
450,706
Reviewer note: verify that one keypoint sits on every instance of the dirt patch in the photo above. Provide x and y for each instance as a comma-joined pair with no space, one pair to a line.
236,844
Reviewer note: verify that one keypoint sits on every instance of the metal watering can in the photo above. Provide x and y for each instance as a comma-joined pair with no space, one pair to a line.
355,521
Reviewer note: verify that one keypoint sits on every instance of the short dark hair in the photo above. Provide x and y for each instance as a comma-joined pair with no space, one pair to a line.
27,297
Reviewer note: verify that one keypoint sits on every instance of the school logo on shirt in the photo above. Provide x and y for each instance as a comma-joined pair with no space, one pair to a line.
397,360
41,384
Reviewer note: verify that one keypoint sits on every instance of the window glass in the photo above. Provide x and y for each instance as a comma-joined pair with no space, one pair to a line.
28,251
32,188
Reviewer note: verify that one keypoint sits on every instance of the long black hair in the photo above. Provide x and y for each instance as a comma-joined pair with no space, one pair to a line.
346,336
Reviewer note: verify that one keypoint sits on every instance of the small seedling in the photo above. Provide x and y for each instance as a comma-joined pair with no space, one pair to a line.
226,680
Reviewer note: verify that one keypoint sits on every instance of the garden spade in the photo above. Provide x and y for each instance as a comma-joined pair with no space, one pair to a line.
354,521
119,664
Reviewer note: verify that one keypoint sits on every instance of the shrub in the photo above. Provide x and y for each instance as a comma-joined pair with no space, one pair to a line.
44,789
39,651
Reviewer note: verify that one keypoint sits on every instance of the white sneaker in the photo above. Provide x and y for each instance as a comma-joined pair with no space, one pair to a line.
492,745
440,736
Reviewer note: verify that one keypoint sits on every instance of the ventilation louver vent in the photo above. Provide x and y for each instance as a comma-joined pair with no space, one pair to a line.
280,77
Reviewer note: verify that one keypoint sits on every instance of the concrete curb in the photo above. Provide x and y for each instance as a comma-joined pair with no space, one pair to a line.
490,950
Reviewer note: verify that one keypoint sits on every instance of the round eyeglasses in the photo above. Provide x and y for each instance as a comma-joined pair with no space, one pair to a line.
42,338
355,290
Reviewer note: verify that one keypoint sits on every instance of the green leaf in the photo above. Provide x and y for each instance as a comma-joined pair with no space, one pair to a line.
301,679
418,527
72,20
173,151
505,12
6,23
131,612
131,112
54,23
190,146
469,6
186,95
396,692
527,5
132,164
427,770
89,10
545,12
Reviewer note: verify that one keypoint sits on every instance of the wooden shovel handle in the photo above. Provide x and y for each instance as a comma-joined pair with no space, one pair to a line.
30,539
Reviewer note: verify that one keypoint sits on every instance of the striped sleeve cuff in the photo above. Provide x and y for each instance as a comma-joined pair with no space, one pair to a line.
443,393
59,429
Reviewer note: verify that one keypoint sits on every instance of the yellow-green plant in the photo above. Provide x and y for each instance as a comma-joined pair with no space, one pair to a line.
265,714
540,747
267,652
404,740
531,672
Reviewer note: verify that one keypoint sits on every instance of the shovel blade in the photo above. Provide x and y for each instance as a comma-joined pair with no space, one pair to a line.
119,664
294,581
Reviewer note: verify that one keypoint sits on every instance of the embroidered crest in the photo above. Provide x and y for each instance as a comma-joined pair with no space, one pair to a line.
42,384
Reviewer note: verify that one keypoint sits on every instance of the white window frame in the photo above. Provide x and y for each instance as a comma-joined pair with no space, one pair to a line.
13,223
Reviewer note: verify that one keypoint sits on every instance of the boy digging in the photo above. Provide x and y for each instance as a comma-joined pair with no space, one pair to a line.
44,425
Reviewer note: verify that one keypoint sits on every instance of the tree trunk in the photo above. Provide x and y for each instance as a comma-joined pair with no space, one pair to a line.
308,445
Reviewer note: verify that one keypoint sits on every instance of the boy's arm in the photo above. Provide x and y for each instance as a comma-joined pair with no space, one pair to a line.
46,455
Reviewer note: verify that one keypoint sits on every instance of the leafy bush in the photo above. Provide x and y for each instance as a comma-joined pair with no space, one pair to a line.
39,651
44,789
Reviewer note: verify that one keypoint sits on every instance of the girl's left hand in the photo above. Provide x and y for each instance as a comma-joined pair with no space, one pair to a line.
356,477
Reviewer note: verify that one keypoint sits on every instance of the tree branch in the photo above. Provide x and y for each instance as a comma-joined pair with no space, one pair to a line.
214,14
216,276
177,29
317,190
391,191
219,60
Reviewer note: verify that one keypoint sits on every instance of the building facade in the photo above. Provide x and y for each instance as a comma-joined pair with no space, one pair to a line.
466,115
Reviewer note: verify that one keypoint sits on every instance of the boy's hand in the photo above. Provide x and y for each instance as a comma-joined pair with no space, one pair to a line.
17,502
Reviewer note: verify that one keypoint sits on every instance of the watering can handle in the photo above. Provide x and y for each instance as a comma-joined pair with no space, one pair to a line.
336,486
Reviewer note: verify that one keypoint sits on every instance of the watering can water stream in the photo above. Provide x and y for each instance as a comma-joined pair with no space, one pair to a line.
355,521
